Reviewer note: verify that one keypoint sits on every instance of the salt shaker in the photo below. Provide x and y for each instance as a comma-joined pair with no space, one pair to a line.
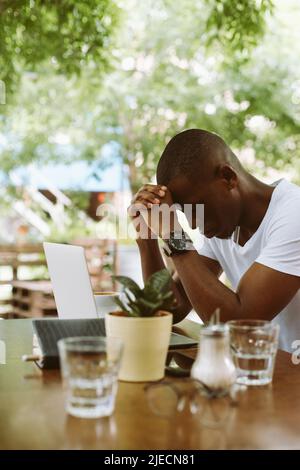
214,365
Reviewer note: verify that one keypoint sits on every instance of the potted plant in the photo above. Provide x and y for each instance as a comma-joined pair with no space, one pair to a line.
144,324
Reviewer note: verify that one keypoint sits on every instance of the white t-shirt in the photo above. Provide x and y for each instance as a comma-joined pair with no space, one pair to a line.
275,244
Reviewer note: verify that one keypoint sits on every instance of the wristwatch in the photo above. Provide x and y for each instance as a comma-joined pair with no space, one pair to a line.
177,243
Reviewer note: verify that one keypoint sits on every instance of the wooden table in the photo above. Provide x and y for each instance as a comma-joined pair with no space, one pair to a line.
32,412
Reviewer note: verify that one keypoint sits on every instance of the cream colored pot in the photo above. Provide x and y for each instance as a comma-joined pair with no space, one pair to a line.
146,342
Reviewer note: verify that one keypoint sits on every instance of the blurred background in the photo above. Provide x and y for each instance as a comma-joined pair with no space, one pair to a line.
90,93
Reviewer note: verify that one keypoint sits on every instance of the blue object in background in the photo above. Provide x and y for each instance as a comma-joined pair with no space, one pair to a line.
107,174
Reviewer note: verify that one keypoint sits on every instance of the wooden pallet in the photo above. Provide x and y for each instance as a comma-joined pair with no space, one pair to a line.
16,256
99,254
33,299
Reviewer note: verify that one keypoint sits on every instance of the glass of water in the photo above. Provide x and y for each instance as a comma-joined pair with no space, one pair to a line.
90,368
254,345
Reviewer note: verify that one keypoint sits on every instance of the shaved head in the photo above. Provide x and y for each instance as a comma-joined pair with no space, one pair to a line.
198,167
195,154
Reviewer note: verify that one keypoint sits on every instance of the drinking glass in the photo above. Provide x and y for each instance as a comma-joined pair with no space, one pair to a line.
90,368
254,345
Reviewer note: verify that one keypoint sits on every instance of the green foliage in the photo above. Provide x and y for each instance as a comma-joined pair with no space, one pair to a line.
68,34
155,296
237,25
76,227
223,65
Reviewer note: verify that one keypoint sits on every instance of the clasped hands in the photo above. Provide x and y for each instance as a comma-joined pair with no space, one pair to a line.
153,212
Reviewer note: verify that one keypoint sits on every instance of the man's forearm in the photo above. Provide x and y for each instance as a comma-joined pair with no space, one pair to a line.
152,261
206,293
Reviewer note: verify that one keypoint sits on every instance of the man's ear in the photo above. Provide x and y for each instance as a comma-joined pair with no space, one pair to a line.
227,174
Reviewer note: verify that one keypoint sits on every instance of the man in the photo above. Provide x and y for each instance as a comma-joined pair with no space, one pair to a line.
262,262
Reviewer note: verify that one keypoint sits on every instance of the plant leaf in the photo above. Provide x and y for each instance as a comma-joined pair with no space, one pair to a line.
168,295
121,305
149,304
146,302
128,296
159,281
128,283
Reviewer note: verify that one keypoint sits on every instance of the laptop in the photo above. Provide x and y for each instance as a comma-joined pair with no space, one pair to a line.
70,280
73,290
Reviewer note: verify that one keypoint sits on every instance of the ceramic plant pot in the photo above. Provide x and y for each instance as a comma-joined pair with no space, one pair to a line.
146,342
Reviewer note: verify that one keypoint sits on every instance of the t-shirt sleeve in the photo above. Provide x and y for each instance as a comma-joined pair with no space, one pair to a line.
204,247
282,250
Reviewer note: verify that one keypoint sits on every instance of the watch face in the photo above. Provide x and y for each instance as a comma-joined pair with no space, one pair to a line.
178,243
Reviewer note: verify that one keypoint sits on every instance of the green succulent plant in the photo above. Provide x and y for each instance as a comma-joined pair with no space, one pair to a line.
145,302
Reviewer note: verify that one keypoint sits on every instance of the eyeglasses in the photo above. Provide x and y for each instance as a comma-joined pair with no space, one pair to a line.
167,398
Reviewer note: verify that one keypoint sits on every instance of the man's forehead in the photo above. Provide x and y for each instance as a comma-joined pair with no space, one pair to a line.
184,190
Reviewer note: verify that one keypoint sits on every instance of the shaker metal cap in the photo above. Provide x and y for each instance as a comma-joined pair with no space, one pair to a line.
218,330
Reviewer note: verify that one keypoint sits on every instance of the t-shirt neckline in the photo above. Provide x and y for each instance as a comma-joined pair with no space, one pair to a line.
262,223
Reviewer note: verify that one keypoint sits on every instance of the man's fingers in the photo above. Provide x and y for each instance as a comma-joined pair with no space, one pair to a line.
136,208
145,197
155,189
151,189
148,197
